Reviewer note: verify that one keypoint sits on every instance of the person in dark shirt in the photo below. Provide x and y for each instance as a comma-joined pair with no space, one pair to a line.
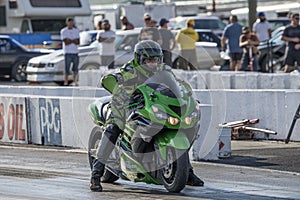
291,35
231,41
168,41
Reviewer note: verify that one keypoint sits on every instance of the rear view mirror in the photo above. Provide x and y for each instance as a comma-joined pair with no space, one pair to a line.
128,48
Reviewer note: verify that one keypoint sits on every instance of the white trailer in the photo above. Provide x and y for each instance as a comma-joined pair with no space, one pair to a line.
272,12
134,12
40,16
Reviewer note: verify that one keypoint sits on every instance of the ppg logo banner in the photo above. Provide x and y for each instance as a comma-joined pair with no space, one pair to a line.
50,121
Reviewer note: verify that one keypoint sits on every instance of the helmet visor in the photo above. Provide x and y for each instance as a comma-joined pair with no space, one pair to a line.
151,61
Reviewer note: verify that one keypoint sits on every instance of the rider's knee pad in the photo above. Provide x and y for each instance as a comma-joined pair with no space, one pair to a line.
112,132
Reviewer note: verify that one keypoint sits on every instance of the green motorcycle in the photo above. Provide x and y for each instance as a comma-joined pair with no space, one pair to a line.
162,122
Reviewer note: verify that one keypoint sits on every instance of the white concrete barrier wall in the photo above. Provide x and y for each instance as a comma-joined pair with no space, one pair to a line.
60,121
83,92
65,121
274,108
215,79
13,127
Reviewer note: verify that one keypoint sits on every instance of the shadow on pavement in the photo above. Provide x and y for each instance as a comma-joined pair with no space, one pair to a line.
283,159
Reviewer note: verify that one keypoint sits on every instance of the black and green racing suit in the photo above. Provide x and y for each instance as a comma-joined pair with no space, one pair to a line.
121,85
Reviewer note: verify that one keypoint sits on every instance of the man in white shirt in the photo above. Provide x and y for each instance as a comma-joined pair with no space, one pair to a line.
106,45
70,37
262,28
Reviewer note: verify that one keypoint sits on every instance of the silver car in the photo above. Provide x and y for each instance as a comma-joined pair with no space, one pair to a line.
50,67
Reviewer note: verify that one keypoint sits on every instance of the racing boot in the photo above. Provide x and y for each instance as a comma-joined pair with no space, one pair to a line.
98,170
193,180
104,150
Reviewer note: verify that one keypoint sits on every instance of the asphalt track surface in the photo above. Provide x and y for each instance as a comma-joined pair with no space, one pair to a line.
255,171
275,155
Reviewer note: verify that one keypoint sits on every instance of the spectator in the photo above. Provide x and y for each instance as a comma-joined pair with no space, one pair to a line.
99,25
262,28
70,38
186,39
153,23
249,42
291,35
126,25
148,32
231,41
168,41
106,45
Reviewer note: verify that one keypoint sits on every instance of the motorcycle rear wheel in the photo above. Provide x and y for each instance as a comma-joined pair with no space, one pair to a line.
109,177
94,141
174,176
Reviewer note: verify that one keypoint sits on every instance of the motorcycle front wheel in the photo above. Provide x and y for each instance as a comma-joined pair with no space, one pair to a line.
175,174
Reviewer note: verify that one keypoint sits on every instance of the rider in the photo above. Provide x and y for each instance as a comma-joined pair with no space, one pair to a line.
147,61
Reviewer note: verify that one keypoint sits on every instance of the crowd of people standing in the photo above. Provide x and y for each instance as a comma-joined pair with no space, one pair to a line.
240,42
161,34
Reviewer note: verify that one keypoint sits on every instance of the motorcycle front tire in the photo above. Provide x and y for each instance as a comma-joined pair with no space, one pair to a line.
174,176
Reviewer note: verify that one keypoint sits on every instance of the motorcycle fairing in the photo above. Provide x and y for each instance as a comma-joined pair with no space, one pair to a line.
134,171
173,139
97,110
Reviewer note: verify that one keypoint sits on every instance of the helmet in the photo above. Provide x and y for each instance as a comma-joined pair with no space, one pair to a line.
148,50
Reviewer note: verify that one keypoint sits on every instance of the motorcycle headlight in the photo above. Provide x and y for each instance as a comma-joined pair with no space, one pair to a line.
196,114
188,120
164,116
159,114
173,121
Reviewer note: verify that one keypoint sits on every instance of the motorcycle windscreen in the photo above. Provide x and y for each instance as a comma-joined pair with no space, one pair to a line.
165,83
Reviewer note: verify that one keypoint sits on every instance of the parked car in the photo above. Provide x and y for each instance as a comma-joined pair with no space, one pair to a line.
51,67
212,23
14,57
209,36
276,57
276,23
87,37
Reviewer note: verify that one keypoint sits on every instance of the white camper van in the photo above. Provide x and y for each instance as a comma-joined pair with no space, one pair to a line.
36,16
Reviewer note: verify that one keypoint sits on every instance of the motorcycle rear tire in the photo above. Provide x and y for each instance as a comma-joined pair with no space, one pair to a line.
94,140
109,177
